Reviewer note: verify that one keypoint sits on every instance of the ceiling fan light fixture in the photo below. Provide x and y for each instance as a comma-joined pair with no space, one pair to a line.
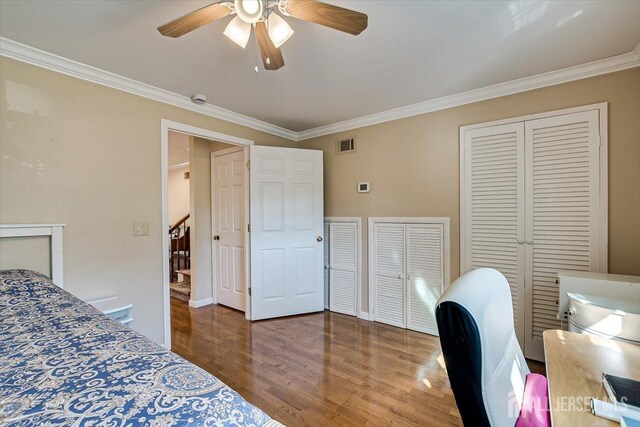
238,31
250,11
279,30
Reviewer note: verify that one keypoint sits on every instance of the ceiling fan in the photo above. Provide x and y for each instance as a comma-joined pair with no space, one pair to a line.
271,30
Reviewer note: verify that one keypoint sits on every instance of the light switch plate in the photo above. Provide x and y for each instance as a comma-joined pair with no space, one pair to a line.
364,187
141,228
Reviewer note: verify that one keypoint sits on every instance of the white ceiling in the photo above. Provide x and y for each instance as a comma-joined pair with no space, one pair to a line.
413,51
178,148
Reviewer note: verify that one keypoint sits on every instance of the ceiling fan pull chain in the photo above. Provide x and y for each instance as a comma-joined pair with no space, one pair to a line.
255,38
267,25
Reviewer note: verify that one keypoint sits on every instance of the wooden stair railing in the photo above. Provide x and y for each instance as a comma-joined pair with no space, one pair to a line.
179,248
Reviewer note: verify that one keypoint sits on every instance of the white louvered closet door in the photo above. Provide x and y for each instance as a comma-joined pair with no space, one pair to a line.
326,265
343,253
493,201
425,281
389,269
562,212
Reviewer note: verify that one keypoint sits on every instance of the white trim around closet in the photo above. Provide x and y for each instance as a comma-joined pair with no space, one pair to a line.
407,220
35,230
602,108
361,314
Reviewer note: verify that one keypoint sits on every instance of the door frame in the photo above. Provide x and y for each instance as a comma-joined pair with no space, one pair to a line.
165,127
245,232
371,257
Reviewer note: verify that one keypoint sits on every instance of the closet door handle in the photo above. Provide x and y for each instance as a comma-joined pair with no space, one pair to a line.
520,241
529,242
400,276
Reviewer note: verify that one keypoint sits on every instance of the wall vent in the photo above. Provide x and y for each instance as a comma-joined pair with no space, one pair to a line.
346,145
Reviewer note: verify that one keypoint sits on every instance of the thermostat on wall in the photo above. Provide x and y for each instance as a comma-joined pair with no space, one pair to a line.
364,187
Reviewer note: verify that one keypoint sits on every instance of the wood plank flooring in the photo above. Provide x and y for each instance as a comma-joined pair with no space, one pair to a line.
320,369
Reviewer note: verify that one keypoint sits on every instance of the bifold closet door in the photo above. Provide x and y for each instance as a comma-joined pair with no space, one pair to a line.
562,213
425,271
493,203
409,267
326,265
343,264
389,270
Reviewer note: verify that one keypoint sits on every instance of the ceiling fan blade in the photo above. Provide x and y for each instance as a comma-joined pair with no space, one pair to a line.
331,16
268,49
194,20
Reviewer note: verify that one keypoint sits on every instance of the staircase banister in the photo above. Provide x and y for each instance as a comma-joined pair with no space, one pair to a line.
179,223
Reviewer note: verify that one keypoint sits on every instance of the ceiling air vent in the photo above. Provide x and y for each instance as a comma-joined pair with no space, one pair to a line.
346,145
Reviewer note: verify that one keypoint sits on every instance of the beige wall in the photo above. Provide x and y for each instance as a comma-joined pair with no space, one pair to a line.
413,163
178,194
13,250
201,248
88,156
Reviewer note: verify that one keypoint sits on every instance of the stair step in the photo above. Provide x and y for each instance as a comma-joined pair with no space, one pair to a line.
184,272
181,291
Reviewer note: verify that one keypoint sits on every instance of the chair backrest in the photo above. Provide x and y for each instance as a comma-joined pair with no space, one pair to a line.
485,364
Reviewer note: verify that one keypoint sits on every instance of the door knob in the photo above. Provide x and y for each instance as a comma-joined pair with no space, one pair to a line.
216,237
319,238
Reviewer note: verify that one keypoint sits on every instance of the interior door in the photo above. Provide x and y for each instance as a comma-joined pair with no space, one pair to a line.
326,265
493,227
425,271
287,217
562,213
343,267
389,273
228,227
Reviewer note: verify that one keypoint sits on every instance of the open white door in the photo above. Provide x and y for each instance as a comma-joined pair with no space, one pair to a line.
228,225
287,217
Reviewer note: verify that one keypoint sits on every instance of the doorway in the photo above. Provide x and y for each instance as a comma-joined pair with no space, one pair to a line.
283,215
199,245
179,207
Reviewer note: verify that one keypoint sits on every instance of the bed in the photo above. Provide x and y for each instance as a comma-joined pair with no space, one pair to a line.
62,362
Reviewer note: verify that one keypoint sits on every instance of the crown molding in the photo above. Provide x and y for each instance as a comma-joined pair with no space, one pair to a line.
21,52
590,69
178,166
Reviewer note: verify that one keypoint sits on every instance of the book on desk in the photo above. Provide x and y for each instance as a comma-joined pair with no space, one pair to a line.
622,390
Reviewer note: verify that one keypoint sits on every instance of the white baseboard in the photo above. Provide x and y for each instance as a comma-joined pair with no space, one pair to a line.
200,303
364,315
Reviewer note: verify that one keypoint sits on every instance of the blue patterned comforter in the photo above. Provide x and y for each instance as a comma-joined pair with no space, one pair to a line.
62,362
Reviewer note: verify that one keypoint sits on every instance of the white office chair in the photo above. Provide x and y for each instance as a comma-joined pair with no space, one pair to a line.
485,364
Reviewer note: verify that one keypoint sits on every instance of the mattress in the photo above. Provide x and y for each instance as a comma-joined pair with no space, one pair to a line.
62,362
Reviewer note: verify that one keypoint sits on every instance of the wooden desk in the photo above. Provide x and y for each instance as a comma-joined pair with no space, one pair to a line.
575,364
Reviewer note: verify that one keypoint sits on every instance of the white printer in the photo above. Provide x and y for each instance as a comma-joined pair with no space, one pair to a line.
601,304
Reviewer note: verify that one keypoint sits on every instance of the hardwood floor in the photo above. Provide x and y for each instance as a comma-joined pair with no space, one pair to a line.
320,369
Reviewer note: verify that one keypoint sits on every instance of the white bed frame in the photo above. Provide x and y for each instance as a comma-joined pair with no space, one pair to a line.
33,230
